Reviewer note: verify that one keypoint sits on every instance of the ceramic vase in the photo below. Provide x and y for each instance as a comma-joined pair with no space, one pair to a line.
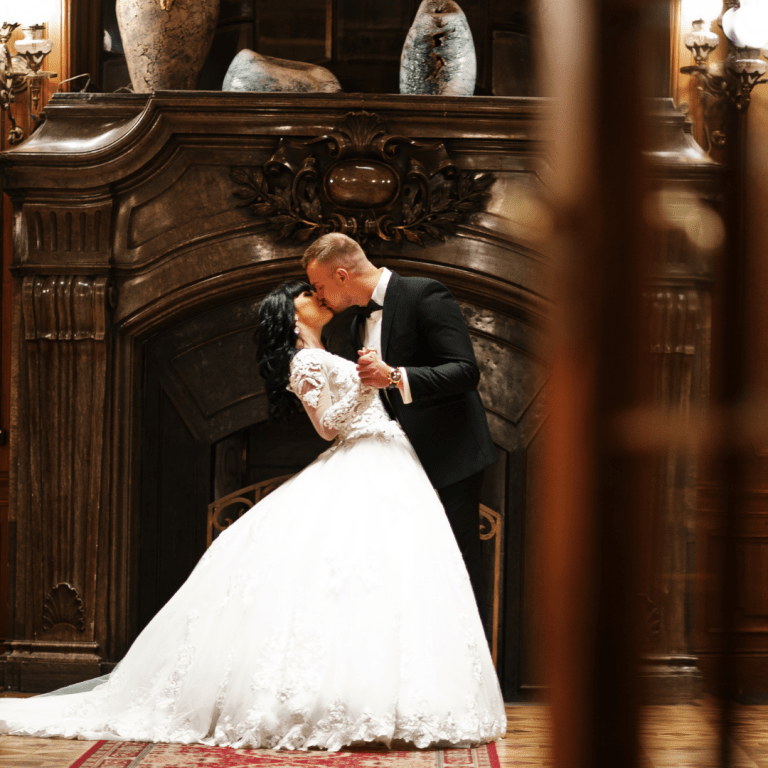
250,71
439,54
166,42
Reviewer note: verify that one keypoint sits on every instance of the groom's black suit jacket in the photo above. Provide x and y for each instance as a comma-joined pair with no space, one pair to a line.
424,331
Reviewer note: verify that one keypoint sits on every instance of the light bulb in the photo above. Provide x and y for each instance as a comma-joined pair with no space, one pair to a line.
706,10
9,12
34,12
747,25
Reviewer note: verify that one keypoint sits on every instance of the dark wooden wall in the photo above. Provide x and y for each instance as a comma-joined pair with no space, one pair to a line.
367,62
751,594
5,406
144,244
151,267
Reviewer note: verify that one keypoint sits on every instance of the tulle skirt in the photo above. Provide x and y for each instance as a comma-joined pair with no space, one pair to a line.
336,611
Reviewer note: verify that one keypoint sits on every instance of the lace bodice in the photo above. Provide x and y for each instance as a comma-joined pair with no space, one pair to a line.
339,404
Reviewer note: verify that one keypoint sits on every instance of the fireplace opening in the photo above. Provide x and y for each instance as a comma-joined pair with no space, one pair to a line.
205,434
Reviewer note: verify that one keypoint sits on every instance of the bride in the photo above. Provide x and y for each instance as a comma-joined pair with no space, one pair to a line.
336,611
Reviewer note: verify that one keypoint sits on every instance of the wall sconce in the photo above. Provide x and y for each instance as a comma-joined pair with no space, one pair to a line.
702,40
26,69
9,81
745,24
32,50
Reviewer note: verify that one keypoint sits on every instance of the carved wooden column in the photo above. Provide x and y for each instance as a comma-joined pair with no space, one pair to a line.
679,316
679,311
64,357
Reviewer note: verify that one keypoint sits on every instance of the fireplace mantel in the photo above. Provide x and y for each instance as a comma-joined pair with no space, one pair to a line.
134,259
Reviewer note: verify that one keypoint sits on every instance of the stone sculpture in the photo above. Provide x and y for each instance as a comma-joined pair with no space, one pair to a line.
250,71
439,55
166,42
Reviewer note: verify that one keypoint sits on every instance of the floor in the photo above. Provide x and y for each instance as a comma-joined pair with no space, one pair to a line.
684,736
673,737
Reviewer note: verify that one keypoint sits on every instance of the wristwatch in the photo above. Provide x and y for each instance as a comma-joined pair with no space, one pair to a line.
395,377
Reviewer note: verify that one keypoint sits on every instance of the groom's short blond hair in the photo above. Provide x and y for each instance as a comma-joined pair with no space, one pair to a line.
337,250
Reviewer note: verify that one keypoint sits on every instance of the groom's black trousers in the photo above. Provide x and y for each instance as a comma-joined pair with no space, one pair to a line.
462,507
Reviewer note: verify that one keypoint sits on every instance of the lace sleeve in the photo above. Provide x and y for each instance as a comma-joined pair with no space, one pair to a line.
349,407
309,381
307,378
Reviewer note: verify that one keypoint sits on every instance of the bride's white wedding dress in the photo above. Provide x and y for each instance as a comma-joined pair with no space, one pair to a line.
337,610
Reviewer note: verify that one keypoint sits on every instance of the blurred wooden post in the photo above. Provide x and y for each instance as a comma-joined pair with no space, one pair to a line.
731,453
593,536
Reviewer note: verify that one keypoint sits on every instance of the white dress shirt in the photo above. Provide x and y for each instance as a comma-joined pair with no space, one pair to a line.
372,335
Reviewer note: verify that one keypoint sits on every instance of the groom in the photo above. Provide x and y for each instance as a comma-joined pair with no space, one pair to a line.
414,345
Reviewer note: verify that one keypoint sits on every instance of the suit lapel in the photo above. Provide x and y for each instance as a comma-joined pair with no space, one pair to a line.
354,333
391,298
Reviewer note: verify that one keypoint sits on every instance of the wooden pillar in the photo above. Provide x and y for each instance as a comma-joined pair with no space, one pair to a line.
59,517
595,494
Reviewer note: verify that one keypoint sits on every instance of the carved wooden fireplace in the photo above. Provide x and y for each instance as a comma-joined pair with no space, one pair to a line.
148,227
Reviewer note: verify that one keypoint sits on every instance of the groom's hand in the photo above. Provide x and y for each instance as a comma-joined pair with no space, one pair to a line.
372,370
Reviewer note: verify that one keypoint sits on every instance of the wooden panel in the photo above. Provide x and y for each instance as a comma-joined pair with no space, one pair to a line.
84,42
294,29
235,30
751,598
175,492
66,323
532,628
368,39
3,555
753,580
5,402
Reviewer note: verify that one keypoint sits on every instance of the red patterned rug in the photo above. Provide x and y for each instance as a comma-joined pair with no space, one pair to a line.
132,754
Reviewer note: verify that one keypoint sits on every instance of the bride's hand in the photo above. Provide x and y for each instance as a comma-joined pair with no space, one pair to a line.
366,356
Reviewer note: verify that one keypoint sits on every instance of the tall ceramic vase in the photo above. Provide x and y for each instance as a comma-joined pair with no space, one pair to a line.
166,41
439,54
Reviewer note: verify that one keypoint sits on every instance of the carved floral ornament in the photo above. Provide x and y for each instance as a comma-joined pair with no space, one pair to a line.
363,182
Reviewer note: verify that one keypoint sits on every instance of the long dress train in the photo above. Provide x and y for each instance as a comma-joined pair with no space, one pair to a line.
337,610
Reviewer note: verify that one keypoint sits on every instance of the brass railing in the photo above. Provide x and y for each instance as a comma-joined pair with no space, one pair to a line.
245,497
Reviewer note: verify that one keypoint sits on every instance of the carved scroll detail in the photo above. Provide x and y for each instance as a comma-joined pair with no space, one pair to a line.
66,323
363,182
491,527
63,605
66,307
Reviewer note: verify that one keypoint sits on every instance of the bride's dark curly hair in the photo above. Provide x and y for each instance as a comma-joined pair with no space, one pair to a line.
276,346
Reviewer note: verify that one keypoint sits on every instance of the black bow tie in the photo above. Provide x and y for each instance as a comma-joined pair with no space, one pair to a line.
369,309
